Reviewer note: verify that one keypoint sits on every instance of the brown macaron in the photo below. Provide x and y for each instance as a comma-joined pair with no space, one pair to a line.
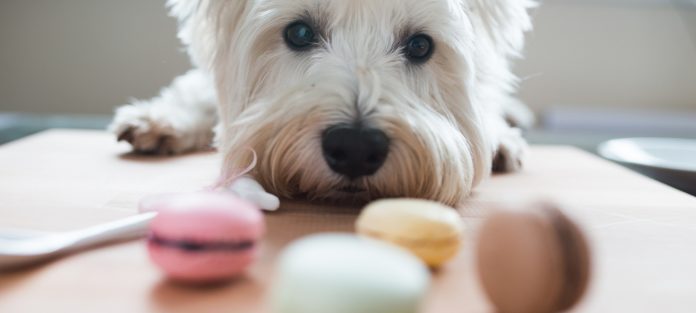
533,261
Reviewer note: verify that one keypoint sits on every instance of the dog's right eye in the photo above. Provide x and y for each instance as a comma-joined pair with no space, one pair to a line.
300,36
419,48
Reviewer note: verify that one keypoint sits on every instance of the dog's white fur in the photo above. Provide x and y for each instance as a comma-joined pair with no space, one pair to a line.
448,119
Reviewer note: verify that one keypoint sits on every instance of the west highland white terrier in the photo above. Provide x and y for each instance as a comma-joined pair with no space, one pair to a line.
344,100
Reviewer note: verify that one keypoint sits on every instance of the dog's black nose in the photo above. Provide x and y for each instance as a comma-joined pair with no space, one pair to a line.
354,151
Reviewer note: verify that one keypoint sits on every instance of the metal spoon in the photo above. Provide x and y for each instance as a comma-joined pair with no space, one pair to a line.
18,249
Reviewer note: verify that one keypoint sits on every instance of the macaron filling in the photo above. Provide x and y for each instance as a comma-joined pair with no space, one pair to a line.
198,246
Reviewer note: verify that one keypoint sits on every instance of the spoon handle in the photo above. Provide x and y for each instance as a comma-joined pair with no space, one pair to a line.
22,252
129,228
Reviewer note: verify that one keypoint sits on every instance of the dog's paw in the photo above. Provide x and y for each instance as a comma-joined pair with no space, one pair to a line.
512,152
147,132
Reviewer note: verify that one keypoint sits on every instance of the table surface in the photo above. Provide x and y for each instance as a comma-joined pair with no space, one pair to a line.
643,233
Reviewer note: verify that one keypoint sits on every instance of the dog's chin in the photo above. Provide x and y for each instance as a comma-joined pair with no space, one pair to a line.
343,194
351,190
348,198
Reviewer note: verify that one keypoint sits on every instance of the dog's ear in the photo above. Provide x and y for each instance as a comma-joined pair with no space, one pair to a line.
201,22
503,22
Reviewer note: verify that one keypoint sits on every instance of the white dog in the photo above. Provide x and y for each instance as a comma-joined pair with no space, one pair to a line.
344,99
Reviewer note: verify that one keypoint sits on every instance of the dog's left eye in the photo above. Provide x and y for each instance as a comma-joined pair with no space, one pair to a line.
419,48
300,36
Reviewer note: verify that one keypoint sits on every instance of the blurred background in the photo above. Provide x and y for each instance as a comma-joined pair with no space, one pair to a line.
594,69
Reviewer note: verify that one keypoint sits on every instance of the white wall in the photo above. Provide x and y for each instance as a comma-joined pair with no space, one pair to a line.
84,56
612,53
88,56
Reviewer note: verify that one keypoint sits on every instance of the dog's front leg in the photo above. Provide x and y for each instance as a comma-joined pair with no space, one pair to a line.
181,119
512,151
511,148
250,190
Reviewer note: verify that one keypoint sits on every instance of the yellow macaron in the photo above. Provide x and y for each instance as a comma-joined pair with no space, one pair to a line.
428,229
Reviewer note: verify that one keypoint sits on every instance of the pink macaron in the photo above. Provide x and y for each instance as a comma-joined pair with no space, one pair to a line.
204,237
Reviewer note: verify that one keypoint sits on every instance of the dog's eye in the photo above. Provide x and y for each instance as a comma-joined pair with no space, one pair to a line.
419,48
300,36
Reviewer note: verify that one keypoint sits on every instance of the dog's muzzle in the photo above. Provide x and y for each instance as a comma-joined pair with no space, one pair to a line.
354,151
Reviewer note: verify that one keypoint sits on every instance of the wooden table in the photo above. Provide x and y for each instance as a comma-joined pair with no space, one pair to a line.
643,233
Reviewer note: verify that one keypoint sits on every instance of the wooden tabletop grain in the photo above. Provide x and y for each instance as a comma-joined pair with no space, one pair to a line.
643,233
